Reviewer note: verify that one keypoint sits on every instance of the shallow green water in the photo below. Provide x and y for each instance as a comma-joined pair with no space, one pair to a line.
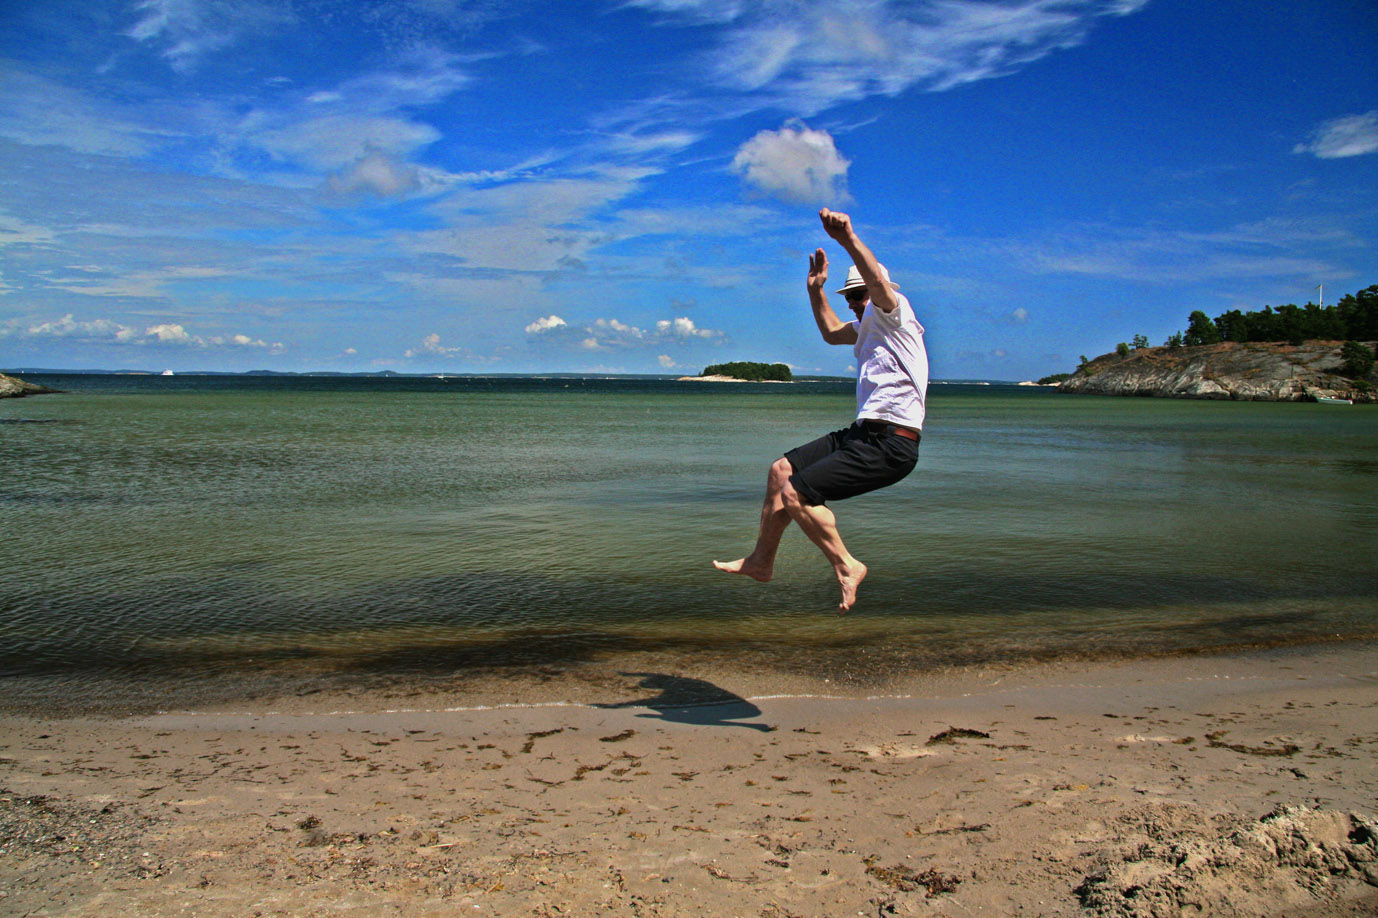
193,525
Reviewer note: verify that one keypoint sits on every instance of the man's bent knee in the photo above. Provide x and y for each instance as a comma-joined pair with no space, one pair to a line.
793,500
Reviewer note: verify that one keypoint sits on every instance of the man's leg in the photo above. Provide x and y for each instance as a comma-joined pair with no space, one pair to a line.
760,564
820,525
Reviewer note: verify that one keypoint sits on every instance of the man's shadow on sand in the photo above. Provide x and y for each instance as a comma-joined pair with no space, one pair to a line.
691,701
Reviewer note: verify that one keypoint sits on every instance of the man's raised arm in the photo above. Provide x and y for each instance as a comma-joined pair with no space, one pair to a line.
833,329
839,227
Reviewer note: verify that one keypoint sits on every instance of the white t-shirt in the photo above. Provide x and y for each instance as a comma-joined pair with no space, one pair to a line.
892,366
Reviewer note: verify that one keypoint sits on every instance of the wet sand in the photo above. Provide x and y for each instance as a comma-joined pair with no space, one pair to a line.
1221,785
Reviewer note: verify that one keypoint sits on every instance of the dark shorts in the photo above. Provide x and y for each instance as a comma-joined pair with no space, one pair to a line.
851,461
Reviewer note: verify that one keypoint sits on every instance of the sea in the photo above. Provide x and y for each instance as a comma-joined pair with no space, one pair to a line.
169,535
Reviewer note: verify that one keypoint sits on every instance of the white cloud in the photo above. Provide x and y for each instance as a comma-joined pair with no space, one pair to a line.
106,331
614,327
431,347
170,334
544,325
795,164
1020,315
613,334
667,361
338,141
600,335
683,327
69,327
380,174
1354,135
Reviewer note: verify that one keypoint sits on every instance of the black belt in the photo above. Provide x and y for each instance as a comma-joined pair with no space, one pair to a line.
906,432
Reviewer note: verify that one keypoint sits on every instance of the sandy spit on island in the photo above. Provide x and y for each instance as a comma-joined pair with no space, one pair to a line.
1241,785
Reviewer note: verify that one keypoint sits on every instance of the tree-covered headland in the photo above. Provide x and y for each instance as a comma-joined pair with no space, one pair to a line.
1353,319
754,372
1284,353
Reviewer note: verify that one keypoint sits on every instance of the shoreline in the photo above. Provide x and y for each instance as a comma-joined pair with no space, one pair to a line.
289,679
1242,782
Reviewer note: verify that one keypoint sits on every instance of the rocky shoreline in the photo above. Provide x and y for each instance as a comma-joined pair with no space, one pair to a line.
10,387
1243,372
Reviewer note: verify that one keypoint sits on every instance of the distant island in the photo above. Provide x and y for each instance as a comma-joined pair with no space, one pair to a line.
743,371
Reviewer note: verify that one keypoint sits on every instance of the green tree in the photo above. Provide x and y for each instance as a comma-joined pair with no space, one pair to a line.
1200,330
1322,322
1358,360
1232,326
1122,349
1359,313
1292,324
1140,342
1173,340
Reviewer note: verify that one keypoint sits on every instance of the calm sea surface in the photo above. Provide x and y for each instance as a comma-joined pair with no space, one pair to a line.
204,526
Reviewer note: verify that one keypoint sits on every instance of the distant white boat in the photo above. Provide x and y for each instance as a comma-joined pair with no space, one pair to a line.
1328,400
167,373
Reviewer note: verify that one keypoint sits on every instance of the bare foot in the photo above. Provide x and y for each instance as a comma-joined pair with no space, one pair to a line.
849,580
748,567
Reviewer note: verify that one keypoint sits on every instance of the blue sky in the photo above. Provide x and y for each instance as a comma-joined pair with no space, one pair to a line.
485,186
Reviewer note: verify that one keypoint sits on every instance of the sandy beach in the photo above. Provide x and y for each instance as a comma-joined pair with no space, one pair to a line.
1221,785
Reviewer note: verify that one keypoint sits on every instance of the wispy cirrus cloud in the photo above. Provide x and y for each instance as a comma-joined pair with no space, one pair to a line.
1340,138
806,58
362,133
39,112
185,31
1164,256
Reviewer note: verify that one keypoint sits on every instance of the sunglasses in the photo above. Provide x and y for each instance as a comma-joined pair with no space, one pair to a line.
855,295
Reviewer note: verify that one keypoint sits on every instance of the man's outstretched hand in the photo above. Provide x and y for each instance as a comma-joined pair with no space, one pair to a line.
818,270
837,225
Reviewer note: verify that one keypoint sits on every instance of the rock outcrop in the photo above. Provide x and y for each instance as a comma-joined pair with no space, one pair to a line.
1248,372
13,388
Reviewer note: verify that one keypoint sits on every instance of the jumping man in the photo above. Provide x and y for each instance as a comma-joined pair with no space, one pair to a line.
881,447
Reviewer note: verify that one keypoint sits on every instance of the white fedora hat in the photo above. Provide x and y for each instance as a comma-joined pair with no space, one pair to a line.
854,280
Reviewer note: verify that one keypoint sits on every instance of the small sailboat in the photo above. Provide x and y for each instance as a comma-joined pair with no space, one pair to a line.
1330,400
